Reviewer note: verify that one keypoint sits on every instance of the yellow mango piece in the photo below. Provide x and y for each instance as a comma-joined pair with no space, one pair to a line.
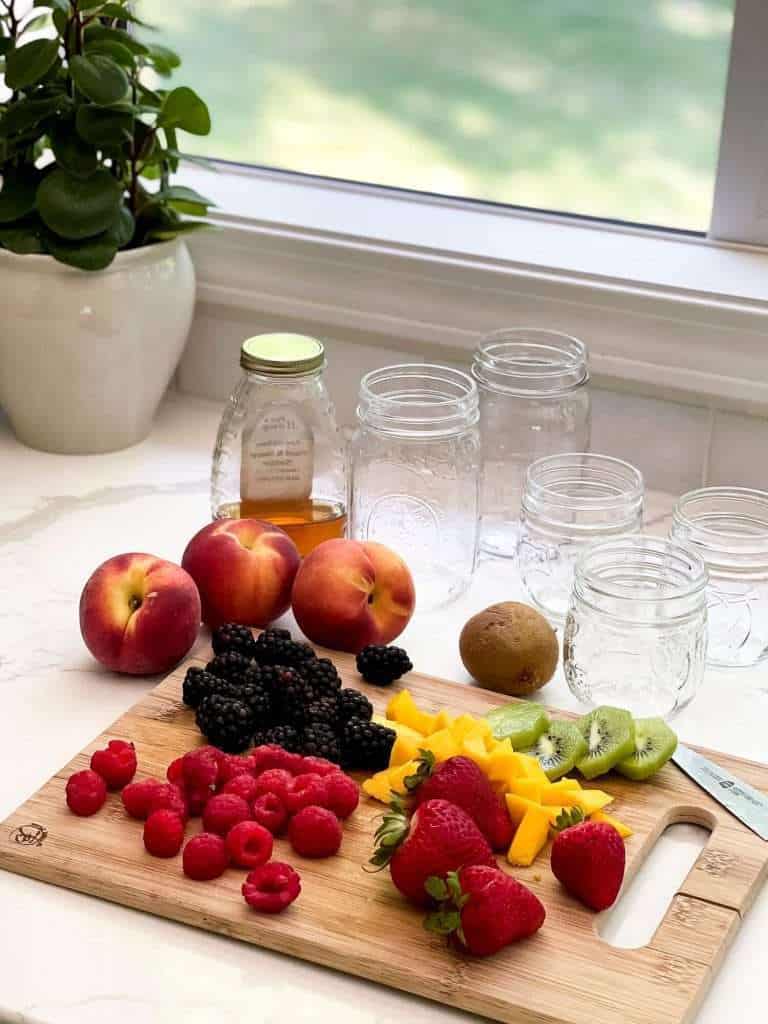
531,769
591,800
403,708
442,744
517,806
400,729
566,784
397,776
474,748
529,788
490,741
405,749
462,726
554,813
530,838
377,786
502,762
484,727
624,830
563,797
442,721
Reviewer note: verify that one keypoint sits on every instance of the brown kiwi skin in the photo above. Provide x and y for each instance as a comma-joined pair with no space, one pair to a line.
509,648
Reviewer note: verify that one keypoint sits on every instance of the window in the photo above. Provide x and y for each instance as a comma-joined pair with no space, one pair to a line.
606,108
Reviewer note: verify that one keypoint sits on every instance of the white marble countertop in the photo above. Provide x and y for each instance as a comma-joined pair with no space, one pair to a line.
71,959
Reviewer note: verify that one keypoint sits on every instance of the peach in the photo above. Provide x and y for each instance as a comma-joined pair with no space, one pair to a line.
350,593
139,614
244,570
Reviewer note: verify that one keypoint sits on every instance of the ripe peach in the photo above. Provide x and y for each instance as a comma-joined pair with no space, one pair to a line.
350,593
244,569
139,614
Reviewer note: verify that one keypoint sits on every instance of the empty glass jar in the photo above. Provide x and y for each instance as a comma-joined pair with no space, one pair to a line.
534,401
635,635
570,502
415,463
728,527
278,453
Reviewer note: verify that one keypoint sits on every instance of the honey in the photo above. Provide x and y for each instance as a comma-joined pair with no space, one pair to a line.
308,523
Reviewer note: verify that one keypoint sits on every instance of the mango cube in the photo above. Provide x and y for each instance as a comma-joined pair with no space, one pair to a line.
474,748
377,786
566,783
442,721
517,806
403,708
462,726
591,800
399,727
554,813
624,830
531,769
529,788
564,797
442,744
502,762
530,838
405,749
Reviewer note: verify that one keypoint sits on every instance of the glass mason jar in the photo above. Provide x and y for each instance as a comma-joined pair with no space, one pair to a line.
635,635
415,465
534,401
728,527
279,455
570,502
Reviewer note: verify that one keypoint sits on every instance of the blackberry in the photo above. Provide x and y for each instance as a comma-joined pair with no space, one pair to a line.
290,695
233,637
229,665
324,709
322,676
365,746
382,665
284,736
258,700
198,683
353,704
273,647
319,740
225,722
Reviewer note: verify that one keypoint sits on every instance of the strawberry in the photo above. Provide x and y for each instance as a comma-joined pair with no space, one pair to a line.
483,909
459,780
588,860
440,837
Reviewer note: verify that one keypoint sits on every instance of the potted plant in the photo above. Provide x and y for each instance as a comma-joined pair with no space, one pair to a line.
97,284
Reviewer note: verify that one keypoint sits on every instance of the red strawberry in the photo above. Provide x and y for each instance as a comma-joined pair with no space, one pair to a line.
588,860
483,909
440,837
461,781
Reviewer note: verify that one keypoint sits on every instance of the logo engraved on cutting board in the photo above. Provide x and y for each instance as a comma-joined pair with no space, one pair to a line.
716,863
29,835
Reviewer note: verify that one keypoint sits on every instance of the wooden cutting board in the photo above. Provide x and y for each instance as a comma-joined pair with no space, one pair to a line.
356,922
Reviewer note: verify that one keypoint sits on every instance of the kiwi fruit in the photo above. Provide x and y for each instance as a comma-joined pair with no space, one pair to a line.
610,737
521,722
510,648
559,748
655,743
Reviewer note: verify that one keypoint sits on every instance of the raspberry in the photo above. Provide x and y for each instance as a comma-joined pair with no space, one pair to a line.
137,796
342,794
163,833
205,857
197,797
200,767
175,772
169,797
116,764
274,780
319,765
304,791
86,793
232,765
315,832
242,785
249,844
270,755
223,812
269,810
272,887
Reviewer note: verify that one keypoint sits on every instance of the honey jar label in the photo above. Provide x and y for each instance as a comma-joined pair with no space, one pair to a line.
277,459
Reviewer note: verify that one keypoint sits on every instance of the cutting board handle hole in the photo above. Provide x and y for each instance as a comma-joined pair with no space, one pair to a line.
631,923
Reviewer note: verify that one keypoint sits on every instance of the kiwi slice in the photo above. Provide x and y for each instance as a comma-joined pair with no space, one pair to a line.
655,743
521,722
610,737
559,748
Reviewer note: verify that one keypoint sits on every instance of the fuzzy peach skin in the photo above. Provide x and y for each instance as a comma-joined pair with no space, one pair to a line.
139,614
244,570
350,593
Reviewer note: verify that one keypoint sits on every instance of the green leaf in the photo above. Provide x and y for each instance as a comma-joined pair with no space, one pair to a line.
184,200
442,922
118,10
41,21
121,232
104,126
163,60
61,20
71,152
5,45
199,161
17,198
172,144
90,254
26,113
99,78
105,33
77,208
107,48
89,5
27,64
183,108
436,888
57,5
454,886
149,97
22,237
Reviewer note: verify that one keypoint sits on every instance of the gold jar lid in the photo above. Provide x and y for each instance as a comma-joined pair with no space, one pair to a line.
282,354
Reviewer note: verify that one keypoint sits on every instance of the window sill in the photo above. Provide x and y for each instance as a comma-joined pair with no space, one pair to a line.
669,314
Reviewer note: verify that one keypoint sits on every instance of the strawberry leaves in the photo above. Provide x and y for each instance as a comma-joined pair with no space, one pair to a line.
426,764
446,920
392,831
567,818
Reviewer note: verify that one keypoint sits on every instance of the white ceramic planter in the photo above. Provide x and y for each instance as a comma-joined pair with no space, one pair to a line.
86,357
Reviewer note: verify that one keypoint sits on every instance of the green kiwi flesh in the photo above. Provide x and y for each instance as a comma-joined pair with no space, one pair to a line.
522,722
558,749
655,743
610,737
